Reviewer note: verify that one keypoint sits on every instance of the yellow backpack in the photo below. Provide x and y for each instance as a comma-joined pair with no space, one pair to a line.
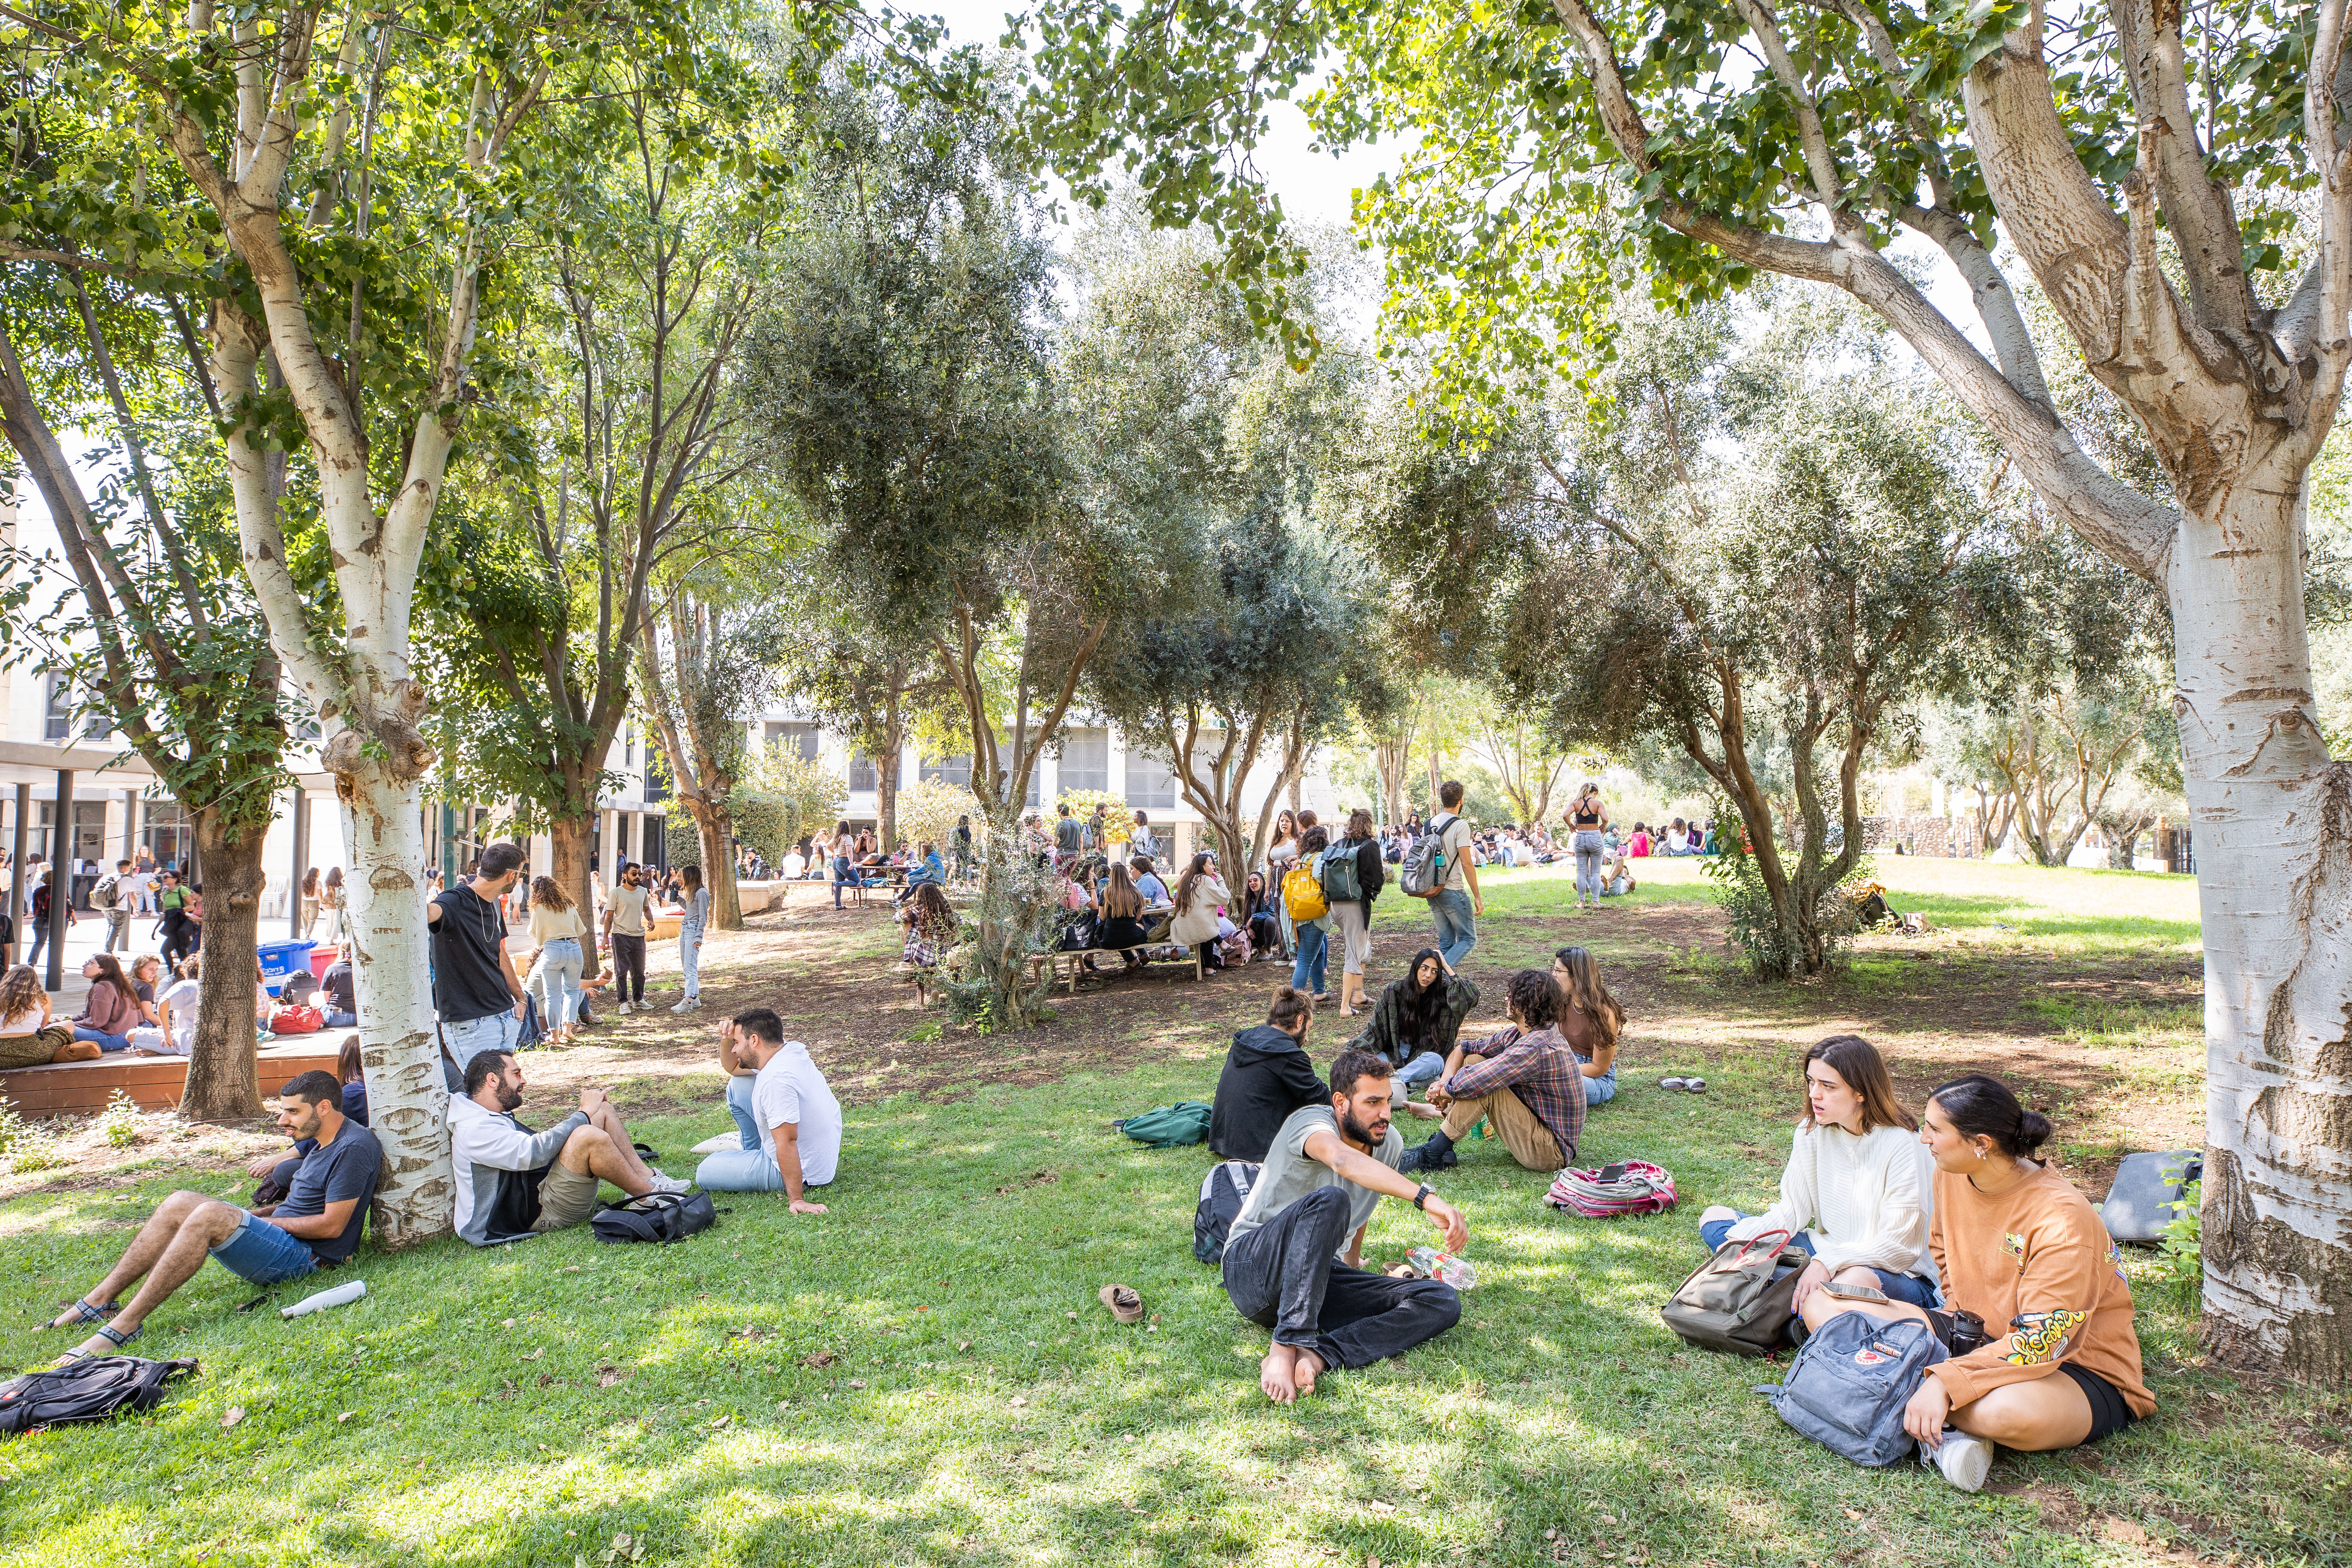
1302,895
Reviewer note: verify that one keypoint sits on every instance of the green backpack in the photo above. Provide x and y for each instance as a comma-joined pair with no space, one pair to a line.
1166,1126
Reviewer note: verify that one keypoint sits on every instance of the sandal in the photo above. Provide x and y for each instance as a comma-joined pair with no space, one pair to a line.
1125,1304
1695,1085
108,1332
1673,1083
83,1312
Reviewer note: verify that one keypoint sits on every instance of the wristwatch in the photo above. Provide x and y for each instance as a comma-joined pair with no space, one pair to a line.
1421,1199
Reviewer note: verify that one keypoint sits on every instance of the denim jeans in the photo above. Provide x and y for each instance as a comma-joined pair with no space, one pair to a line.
1715,1232
555,978
689,959
1457,932
470,1038
1603,1090
1914,1289
738,1106
1588,850
1314,948
1423,1069
1287,1276
104,1042
335,1020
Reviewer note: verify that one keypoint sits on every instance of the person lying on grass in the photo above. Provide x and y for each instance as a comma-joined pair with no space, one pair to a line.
790,1121
2019,1248
1267,1075
513,1181
1856,1192
317,1225
1525,1079
1292,1259
1590,1021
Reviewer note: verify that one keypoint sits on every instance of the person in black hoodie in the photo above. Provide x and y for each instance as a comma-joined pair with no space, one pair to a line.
1267,1075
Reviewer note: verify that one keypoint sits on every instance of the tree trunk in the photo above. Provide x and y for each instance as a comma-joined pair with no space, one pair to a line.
384,932
2273,823
223,1082
886,798
570,840
714,825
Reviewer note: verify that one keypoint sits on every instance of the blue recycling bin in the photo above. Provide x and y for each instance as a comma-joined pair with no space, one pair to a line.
281,959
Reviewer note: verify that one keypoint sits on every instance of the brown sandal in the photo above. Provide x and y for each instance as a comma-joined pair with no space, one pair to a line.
1124,1303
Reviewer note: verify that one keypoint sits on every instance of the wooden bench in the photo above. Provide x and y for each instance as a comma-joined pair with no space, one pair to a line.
153,1083
1067,973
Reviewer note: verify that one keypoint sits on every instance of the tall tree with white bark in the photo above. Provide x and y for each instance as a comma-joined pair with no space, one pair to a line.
2144,200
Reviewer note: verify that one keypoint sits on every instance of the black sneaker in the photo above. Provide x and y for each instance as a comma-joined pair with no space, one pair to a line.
1421,1157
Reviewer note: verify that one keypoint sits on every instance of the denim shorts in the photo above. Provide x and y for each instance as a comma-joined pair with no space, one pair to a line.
259,1252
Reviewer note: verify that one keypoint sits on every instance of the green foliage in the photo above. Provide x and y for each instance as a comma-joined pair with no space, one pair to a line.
2182,1246
1754,919
120,1119
1019,915
810,795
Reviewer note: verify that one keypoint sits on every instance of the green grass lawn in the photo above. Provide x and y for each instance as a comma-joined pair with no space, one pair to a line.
924,1376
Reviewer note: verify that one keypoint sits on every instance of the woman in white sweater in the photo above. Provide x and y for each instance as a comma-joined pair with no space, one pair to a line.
1856,1194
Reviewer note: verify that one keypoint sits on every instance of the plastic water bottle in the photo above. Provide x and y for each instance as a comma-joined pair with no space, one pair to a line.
339,1296
1432,1264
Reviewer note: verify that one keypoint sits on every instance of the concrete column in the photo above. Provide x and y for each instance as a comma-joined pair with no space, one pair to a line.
61,882
302,855
20,893
129,825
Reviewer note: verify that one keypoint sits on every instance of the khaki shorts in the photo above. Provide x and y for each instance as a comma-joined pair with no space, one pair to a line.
566,1198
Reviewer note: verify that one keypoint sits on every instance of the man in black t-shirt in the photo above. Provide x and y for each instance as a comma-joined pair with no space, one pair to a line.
317,1225
475,989
342,1008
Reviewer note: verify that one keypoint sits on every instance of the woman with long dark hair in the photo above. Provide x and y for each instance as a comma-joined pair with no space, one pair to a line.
28,1038
1418,1019
1590,1020
330,904
1258,913
1119,911
310,907
695,898
1199,892
111,1010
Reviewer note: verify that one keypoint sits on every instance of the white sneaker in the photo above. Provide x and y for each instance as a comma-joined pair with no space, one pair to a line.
624,1009
1965,1461
688,1005
663,1183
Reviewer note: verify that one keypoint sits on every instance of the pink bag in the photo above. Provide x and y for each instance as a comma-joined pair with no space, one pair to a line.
1631,1187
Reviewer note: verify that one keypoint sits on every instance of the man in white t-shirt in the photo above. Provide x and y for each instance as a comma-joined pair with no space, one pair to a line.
1454,905
792,1114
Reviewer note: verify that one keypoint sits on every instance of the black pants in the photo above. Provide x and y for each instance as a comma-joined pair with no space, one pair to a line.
629,966
179,938
1287,1276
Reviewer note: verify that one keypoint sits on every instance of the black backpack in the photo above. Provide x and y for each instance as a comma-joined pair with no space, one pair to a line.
88,1390
1223,1191
657,1217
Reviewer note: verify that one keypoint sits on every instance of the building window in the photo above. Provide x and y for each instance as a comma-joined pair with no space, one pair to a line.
1086,759
1150,780
56,716
862,774
954,771
97,725
628,744
801,737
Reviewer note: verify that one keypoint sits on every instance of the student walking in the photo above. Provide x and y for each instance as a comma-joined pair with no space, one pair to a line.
697,900
1587,820
1456,903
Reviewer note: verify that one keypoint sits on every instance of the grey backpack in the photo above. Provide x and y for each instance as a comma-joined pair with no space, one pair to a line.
1424,871
1847,1387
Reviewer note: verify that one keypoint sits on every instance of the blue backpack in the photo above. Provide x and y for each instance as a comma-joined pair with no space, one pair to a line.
1847,1387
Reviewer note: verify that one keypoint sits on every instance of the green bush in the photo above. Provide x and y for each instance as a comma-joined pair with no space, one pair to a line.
1755,927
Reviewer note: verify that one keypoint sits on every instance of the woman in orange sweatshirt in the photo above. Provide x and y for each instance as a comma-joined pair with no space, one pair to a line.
2020,1248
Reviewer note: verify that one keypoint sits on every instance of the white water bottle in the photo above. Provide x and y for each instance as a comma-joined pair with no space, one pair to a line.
341,1295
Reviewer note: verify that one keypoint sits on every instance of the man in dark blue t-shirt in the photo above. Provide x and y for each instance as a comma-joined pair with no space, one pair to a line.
316,1226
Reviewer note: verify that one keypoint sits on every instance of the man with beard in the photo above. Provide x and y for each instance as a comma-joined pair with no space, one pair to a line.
513,1181
1291,1259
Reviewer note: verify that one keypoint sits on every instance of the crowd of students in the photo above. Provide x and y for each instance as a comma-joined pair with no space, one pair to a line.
1946,1219
1949,1219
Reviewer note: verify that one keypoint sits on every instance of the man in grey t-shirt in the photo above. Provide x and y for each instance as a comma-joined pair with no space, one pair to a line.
1291,1259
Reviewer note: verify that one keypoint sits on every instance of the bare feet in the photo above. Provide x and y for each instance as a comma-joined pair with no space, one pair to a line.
1274,1374
1305,1371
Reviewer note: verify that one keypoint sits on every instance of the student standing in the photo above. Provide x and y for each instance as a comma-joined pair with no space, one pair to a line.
1355,915
556,930
1457,902
475,988
696,898
1311,932
624,928
1587,819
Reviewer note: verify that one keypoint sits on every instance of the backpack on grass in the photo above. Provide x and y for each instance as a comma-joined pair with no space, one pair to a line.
1847,1387
1302,895
1223,1191
657,1217
1630,1186
1168,1126
1341,878
1740,1299
91,1389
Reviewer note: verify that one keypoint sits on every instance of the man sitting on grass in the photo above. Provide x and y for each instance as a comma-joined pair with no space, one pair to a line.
317,1225
794,1113
1525,1079
1267,1075
513,1181
1284,1265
